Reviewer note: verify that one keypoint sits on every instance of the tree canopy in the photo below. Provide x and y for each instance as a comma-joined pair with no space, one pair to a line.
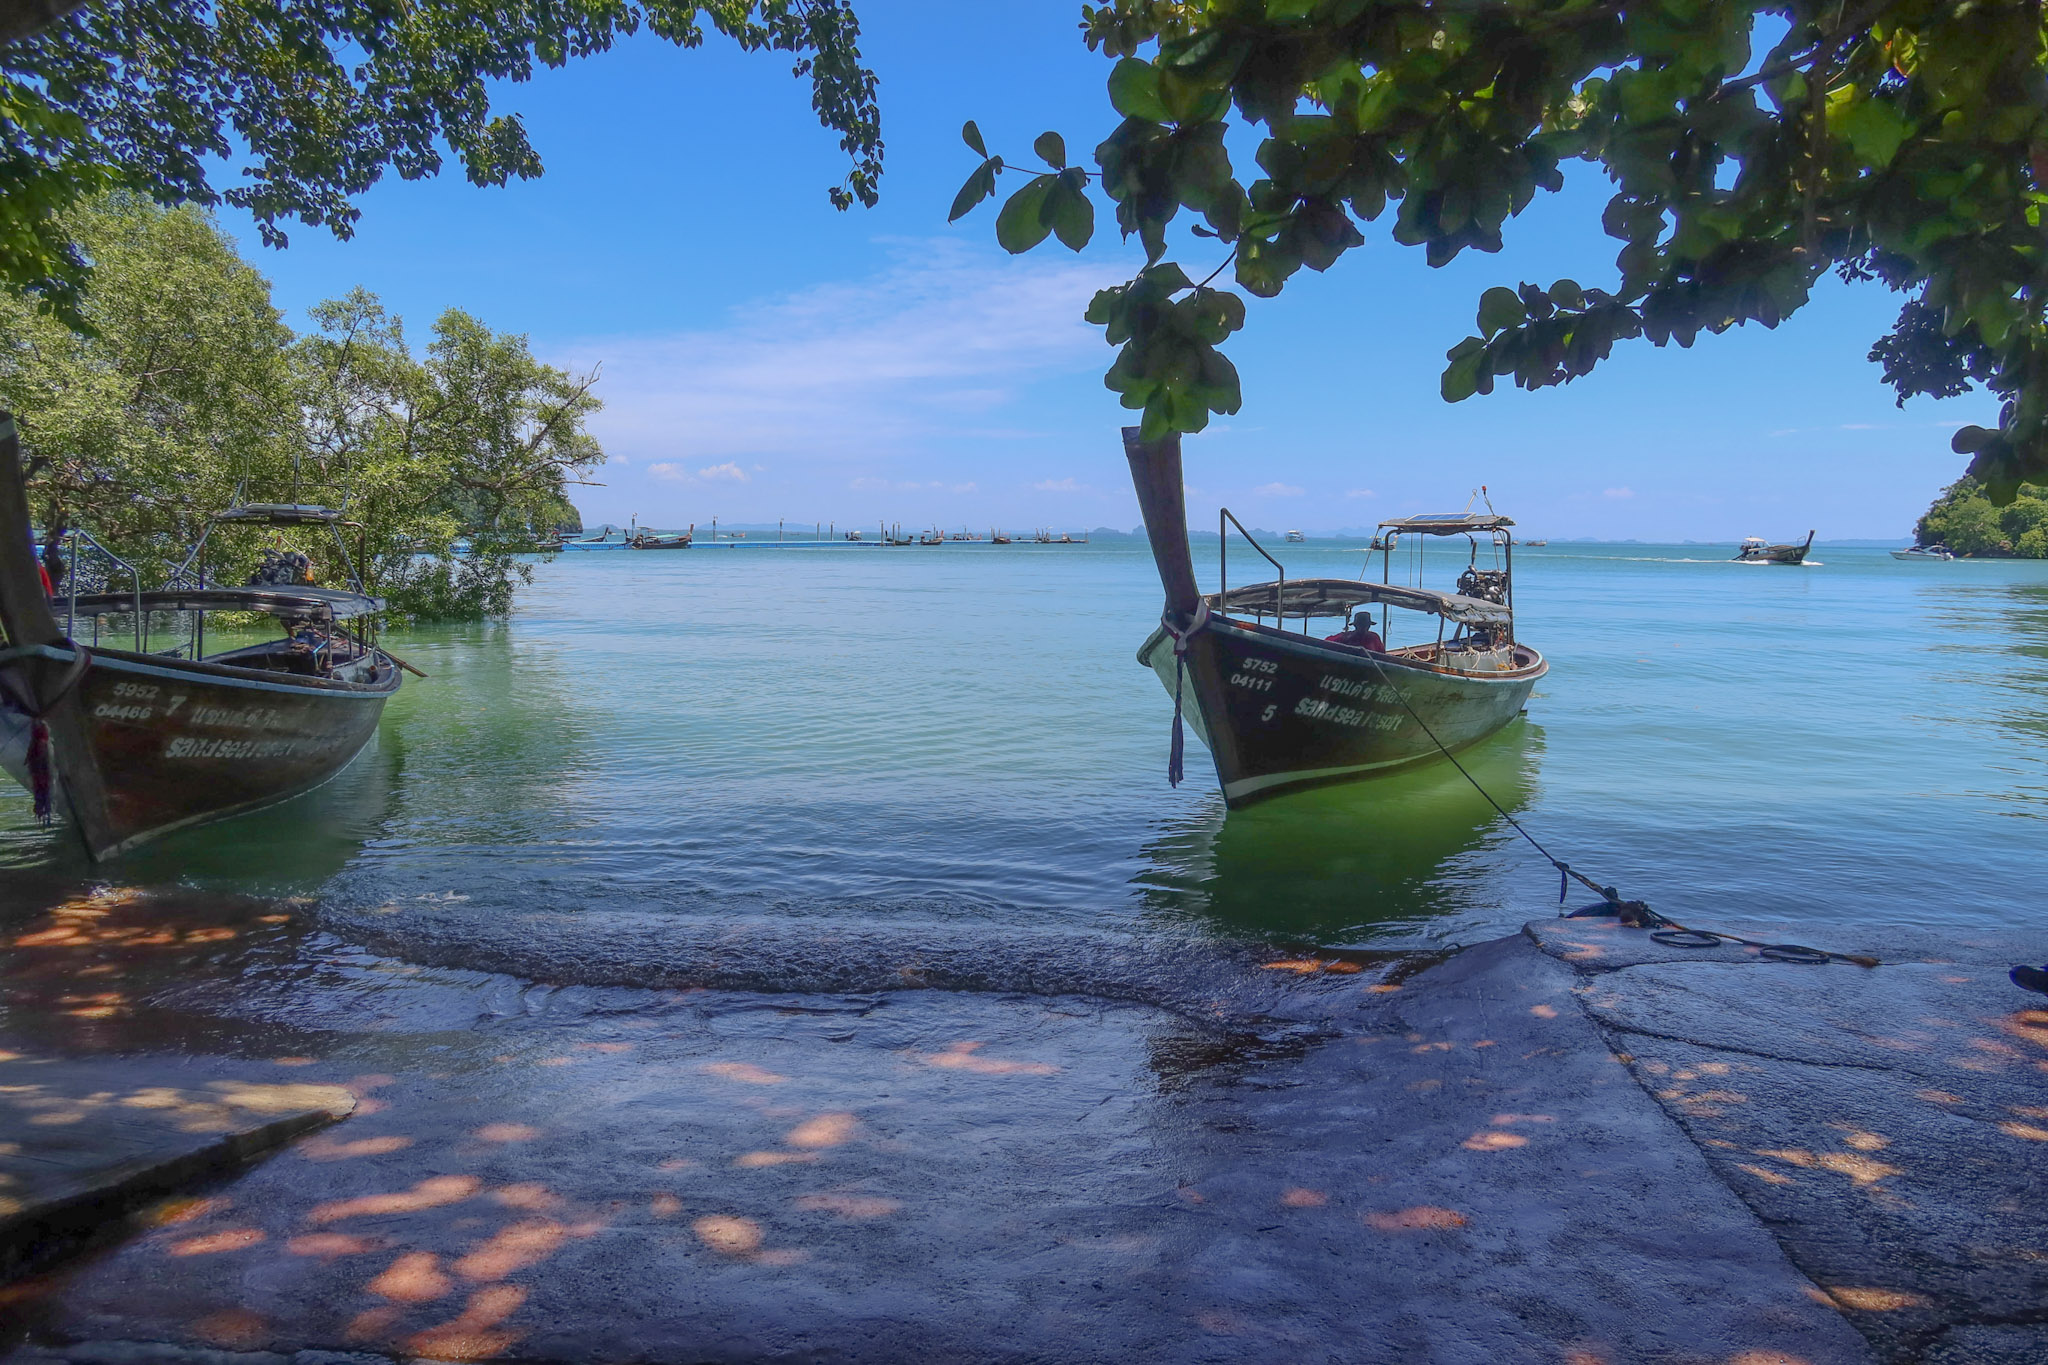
1964,520
1752,147
187,390
319,98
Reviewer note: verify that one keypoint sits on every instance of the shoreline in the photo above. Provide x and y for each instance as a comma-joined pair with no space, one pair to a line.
1569,1139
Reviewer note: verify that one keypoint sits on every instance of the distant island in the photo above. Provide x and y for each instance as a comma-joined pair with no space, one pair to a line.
1964,520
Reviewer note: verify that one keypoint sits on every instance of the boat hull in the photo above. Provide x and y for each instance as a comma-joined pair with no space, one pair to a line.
170,743
1282,712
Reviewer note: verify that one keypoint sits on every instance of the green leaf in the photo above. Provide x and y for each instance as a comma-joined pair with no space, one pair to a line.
971,135
1461,377
1567,294
1876,130
1134,91
1022,224
1167,279
980,185
1068,208
1052,150
1970,440
1499,309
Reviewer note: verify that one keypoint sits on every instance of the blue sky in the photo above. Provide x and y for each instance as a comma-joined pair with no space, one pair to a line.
764,356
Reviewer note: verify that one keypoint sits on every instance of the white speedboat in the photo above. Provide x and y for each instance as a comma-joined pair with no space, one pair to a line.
1924,552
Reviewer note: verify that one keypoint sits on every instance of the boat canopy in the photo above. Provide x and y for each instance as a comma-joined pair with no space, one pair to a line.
282,514
1338,596
1446,523
331,603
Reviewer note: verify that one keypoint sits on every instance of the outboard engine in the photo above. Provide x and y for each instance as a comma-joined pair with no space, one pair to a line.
282,569
1488,585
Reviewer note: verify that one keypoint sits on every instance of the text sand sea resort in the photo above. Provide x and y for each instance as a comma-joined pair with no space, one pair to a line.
1219,790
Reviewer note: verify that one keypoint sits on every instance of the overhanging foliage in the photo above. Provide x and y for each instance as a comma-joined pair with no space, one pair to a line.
1752,147
319,98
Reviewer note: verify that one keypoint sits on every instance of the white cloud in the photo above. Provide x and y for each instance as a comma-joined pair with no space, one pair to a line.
933,346
671,472
1360,493
1617,492
965,487
1057,486
1277,490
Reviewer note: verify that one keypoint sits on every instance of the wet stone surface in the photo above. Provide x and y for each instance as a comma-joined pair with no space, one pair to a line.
1526,1153
1890,1125
1449,1166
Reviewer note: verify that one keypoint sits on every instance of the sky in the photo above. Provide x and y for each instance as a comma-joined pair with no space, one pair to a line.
763,356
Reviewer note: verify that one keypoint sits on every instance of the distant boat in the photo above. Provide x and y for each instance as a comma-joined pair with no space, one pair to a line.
1295,537
1755,551
1535,542
1283,708
651,540
998,538
1937,552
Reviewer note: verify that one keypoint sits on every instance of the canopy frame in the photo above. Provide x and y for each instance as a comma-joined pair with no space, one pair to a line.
289,602
1314,597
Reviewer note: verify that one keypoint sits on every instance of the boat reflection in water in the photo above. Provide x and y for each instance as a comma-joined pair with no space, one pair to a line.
1399,859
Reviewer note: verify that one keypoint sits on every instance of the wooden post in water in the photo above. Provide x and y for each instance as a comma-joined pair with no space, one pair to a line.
1155,474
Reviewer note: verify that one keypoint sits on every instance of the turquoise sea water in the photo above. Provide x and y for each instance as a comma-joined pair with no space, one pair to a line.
813,766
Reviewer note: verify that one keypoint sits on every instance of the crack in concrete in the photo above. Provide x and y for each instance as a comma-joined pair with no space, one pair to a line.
1607,1027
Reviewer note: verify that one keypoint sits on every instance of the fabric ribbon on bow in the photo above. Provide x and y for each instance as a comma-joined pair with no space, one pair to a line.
41,783
1180,638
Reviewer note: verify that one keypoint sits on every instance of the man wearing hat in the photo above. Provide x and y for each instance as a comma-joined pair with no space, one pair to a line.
1360,634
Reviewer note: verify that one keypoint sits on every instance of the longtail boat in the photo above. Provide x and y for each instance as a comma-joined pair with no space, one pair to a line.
1281,708
1755,551
128,744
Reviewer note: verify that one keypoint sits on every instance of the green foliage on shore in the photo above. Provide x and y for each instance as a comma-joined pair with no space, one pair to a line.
190,392
316,100
1965,520
1752,147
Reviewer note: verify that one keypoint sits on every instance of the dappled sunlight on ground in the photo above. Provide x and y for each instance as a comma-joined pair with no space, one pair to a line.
921,1174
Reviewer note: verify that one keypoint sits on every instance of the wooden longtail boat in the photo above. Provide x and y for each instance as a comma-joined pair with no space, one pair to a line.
649,540
126,744
1755,551
1281,708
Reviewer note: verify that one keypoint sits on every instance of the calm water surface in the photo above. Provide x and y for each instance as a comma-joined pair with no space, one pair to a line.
826,768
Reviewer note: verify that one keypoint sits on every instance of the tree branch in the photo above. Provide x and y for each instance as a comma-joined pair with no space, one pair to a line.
25,18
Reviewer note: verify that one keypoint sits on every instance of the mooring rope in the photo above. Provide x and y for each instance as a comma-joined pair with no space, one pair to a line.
1635,914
